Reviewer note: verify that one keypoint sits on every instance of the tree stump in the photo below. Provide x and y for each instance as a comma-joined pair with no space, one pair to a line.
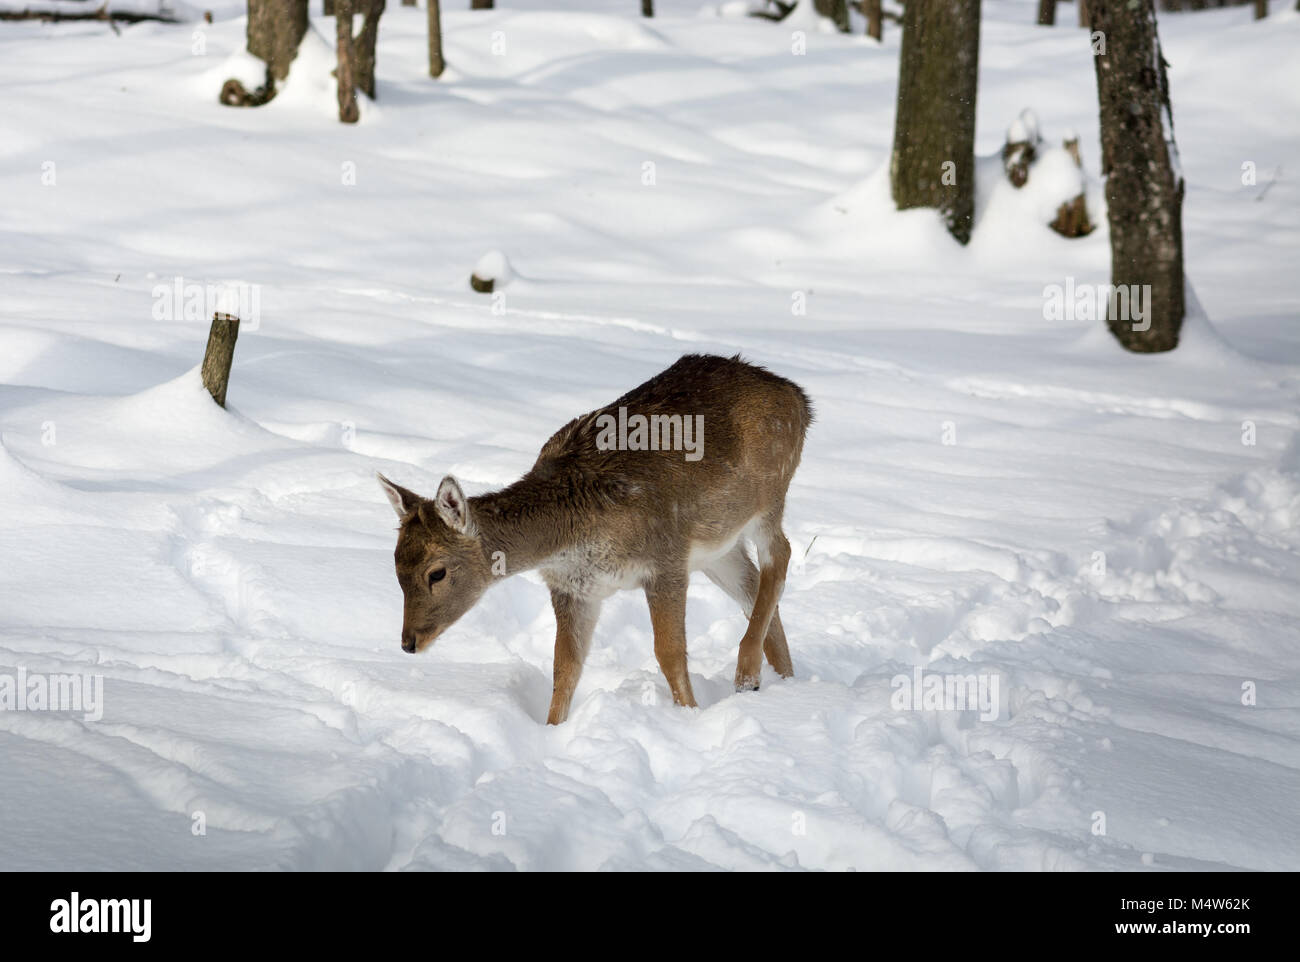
219,355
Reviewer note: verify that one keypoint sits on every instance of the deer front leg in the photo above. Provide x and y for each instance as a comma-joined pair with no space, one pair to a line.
575,620
774,557
667,600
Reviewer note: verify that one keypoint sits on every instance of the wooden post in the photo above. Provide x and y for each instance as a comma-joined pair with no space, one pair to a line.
220,355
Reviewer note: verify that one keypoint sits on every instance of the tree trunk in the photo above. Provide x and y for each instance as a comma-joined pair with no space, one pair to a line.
219,356
836,11
647,8
275,28
348,111
364,48
480,4
436,64
1261,9
933,163
871,9
1046,13
1144,192
1084,20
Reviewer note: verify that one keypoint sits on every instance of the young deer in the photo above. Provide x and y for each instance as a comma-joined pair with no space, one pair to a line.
607,508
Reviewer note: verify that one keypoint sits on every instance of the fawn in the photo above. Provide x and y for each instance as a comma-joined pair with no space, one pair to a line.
627,496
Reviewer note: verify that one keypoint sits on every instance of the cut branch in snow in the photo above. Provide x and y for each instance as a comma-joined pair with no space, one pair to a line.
220,355
234,94
1072,217
1021,148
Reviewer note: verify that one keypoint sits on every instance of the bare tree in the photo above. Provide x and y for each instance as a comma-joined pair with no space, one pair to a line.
348,111
436,62
871,10
836,11
364,50
1144,191
647,8
275,28
1046,13
933,163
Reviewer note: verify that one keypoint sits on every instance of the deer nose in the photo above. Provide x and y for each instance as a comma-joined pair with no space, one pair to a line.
408,641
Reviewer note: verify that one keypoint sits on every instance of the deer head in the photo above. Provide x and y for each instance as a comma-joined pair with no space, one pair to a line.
441,565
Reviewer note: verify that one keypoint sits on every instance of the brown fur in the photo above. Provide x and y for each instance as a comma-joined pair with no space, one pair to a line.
593,521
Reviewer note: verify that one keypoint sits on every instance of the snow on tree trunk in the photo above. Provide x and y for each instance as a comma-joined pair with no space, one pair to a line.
933,163
1144,189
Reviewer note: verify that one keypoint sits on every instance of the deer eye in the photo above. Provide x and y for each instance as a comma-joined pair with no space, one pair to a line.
436,575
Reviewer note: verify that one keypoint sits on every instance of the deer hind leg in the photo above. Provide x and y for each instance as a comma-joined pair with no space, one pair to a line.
738,576
575,620
773,557
667,600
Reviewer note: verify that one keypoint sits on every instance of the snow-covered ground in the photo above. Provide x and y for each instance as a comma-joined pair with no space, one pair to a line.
985,491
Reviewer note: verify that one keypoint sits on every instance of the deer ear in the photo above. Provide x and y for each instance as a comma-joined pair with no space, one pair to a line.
452,506
403,501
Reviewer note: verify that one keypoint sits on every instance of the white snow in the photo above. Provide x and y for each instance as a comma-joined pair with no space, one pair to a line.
984,492
494,266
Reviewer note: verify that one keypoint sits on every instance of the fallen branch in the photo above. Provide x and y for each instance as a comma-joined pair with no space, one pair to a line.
103,13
